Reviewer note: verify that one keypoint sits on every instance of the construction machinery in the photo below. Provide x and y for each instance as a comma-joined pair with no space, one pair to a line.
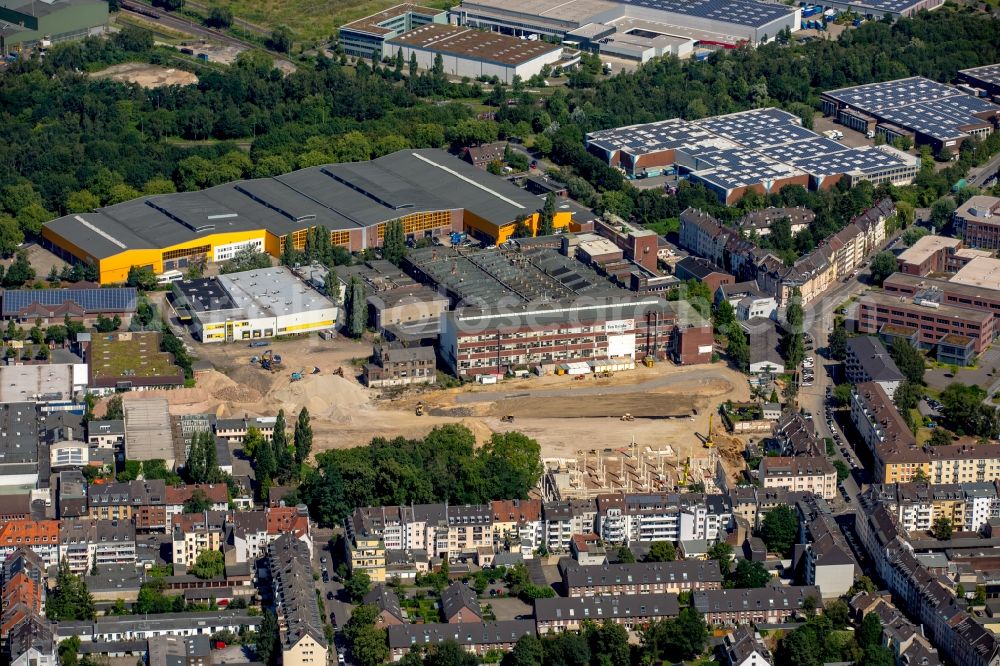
420,409
627,417
297,376
267,360
648,362
339,372
508,418
708,437
605,374
315,370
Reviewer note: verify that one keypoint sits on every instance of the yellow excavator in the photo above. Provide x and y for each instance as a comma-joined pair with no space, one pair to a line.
708,437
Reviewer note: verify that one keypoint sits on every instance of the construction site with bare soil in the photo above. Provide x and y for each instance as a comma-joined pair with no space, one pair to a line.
664,409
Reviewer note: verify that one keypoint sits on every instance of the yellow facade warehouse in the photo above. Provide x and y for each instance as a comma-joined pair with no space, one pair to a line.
431,192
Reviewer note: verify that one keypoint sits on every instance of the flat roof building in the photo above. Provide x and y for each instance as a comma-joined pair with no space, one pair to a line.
365,37
977,221
125,361
18,446
986,78
42,383
761,150
646,28
431,192
474,53
262,303
936,114
25,24
928,255
147,431
980,272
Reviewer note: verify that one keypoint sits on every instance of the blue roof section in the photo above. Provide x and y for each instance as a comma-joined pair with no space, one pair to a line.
877,97
119,299
864,160
739,12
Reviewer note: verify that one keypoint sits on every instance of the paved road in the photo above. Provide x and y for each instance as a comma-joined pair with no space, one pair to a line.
978,175
671,378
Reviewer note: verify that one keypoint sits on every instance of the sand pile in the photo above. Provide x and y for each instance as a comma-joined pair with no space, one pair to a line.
325,396
251,377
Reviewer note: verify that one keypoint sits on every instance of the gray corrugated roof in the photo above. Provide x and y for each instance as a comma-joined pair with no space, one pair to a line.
338,196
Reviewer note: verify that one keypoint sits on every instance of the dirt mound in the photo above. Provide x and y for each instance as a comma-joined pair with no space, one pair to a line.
325,396
251,377
237,394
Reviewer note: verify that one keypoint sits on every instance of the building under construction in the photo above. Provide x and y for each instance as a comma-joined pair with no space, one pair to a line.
629,469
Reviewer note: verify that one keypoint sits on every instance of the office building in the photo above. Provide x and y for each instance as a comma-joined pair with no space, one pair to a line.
977,221
366,37
430,191
253,305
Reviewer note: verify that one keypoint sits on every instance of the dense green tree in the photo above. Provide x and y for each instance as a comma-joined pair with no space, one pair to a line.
965,413
747,574
19,272
661,551
738,348
837,342
547,215
394,242
70,599
11,235
883,265
679,639
625,555
219,17
198,502
357,586
115,409
246,259
303,436
141,277
909,361
284,456
356,307
209,564
942,528
780,530
266,640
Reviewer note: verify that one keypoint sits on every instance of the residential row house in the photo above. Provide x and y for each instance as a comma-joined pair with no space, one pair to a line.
477,638
774,604
40,536
812,474
907,642
301,623
641,578
961,640
822,557
561,614
918,505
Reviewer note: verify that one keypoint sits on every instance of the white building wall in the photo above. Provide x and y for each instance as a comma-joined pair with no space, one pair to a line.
460,66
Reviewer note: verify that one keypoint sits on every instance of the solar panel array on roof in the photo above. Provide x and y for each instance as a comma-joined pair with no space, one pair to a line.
875,97
989,74
739,12
122,299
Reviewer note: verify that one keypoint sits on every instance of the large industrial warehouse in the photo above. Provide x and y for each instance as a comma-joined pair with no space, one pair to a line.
928,112
366,37
761,150
431,192
474,53
635,29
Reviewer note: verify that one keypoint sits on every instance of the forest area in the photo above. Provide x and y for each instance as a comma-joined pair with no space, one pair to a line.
70,143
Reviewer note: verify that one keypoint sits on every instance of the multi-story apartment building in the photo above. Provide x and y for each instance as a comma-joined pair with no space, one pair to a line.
518,521
894,448
813,474
253,531
964,463
958,636
106,434
766,605
916,506
85,543
869,361
40,536
560,614
630,517
493,340
197,532
123,500
641,578
217,495
564,518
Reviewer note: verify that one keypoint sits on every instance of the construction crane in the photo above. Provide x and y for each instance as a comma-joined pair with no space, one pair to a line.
708,437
